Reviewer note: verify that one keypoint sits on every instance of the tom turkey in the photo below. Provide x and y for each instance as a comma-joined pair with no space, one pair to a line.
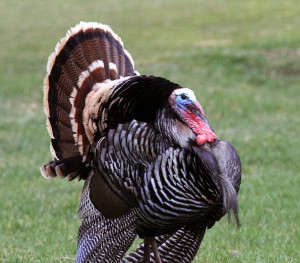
152,165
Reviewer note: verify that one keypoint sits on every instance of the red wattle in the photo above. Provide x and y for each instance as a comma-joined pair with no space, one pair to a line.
210,137
200,140
197,122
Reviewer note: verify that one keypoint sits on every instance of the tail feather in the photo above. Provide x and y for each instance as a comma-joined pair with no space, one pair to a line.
89,55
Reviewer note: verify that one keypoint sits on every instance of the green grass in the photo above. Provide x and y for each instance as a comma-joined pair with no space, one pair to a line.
243,60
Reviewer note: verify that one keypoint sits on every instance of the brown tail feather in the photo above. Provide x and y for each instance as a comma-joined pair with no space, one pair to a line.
89,55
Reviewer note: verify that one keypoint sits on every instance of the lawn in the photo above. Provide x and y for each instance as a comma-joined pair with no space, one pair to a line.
242,58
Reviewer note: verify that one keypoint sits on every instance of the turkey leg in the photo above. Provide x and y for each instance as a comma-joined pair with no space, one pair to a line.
146,257
155,250
150,242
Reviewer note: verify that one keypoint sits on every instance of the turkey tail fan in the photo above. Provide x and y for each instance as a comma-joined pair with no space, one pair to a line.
180,246
90,55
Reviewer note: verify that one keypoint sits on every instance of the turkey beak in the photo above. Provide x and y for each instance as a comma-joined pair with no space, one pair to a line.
196,108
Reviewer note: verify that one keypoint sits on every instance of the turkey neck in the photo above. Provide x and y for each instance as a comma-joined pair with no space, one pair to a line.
173,129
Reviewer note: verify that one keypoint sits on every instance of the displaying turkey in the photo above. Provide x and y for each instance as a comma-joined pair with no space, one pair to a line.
152,165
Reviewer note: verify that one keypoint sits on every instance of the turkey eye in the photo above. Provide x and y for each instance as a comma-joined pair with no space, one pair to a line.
183,97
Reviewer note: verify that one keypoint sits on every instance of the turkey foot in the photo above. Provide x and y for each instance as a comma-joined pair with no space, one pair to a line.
150,242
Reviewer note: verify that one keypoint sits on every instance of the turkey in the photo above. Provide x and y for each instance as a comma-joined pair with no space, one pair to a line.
153,167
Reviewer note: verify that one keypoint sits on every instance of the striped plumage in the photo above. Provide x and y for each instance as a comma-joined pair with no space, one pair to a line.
152,164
